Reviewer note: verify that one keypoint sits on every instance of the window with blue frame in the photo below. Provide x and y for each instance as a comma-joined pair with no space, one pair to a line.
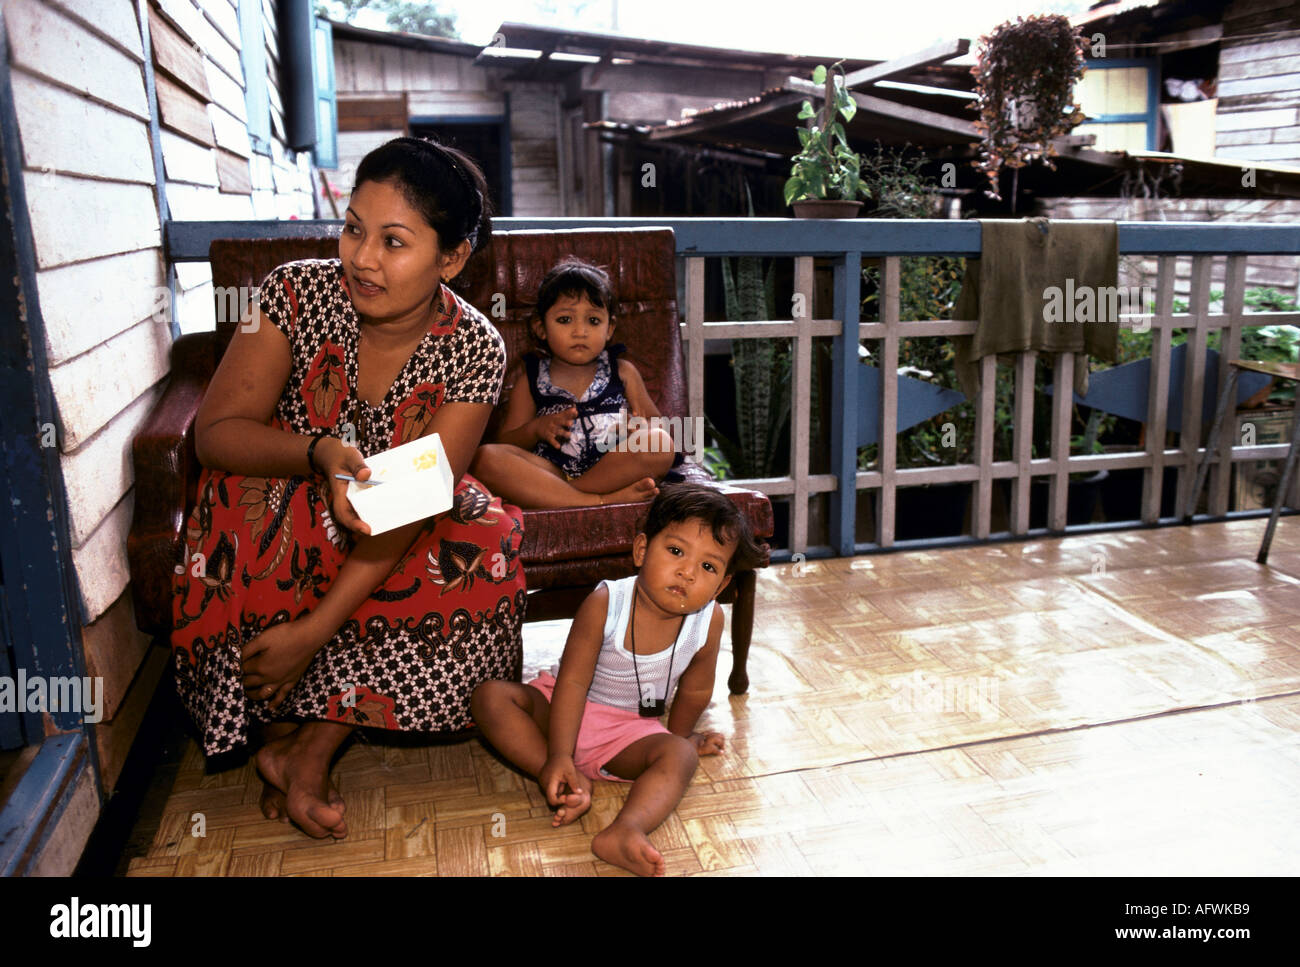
326,151
1122,100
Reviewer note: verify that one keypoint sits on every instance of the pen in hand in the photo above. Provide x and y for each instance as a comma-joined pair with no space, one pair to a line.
344,476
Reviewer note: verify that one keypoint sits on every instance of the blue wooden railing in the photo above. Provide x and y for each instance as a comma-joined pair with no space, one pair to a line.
845,243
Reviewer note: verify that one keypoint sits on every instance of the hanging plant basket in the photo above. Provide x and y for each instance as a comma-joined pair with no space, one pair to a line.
826,208
1024,82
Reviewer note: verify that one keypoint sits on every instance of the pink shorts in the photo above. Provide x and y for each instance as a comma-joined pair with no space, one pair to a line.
604,733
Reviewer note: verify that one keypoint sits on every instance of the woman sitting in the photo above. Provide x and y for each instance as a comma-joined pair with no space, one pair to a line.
292,615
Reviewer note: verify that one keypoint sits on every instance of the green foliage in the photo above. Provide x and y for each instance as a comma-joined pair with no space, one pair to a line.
404,15
928,287
826,167
716,462
762,370
421,18
1024,79
1275,344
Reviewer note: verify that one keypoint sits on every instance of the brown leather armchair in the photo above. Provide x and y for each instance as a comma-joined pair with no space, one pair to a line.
565,552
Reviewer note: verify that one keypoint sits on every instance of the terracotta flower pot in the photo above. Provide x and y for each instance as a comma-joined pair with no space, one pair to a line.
826,208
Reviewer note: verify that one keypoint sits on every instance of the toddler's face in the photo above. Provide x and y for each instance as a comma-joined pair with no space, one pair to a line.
683,567
575,330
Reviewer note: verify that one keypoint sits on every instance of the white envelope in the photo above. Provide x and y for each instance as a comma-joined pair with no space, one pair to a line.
417,484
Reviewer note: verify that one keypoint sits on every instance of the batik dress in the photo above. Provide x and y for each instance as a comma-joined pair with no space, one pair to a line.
262,550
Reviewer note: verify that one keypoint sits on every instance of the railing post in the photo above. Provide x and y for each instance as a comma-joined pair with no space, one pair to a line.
695,348
801,402
1234,290
1194,379
1058,499
845,406
1153,481
983,451
1023,439
888,363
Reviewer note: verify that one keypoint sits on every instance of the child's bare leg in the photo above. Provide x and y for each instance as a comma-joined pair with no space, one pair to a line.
514,719
662,766
529,480
638,466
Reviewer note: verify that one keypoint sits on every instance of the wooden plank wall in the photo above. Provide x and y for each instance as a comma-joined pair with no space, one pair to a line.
1281,272
1259,82
83,114
369,75
534,147
434,84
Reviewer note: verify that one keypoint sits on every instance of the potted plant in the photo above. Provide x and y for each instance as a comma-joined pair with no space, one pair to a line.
825,181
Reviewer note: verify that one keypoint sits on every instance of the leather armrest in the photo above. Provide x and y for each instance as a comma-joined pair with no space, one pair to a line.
166,478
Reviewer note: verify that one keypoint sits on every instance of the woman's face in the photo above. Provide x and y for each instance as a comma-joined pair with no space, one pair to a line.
390,255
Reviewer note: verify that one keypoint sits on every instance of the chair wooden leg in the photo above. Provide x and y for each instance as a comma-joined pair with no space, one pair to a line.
742,628
1283,487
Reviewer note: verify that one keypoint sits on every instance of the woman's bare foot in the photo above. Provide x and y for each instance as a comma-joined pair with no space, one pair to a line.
634,493
628,847
273,801
574,805
309,798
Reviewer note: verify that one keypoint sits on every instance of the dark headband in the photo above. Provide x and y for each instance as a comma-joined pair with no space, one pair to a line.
440,152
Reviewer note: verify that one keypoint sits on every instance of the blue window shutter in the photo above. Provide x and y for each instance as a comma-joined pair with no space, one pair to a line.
252,54
327,123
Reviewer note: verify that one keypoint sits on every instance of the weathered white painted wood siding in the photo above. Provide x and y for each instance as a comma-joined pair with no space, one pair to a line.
1281,272
1258,116
534,148
83,111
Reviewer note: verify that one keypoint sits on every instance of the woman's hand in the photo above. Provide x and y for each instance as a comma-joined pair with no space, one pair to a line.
275,660
334,456
554,428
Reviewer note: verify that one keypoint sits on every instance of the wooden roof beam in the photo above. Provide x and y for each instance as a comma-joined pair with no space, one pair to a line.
892,109
723,117
937,54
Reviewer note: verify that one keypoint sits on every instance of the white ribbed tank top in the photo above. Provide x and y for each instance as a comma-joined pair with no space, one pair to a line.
614,682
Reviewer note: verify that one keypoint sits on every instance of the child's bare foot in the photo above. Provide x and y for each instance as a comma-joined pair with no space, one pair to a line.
708,743
309,798
628,847
574,805
634,493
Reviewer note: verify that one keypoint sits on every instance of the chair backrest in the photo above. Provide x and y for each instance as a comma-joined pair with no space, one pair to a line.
641,262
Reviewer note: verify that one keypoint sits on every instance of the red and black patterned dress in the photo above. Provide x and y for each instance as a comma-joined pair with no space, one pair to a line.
449,615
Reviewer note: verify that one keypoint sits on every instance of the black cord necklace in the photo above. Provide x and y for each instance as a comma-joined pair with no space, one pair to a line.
652,710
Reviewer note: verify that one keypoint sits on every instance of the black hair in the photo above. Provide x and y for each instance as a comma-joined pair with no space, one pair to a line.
573,277
681,502
443,184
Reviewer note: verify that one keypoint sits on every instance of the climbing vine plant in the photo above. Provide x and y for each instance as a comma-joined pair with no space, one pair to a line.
1024,78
